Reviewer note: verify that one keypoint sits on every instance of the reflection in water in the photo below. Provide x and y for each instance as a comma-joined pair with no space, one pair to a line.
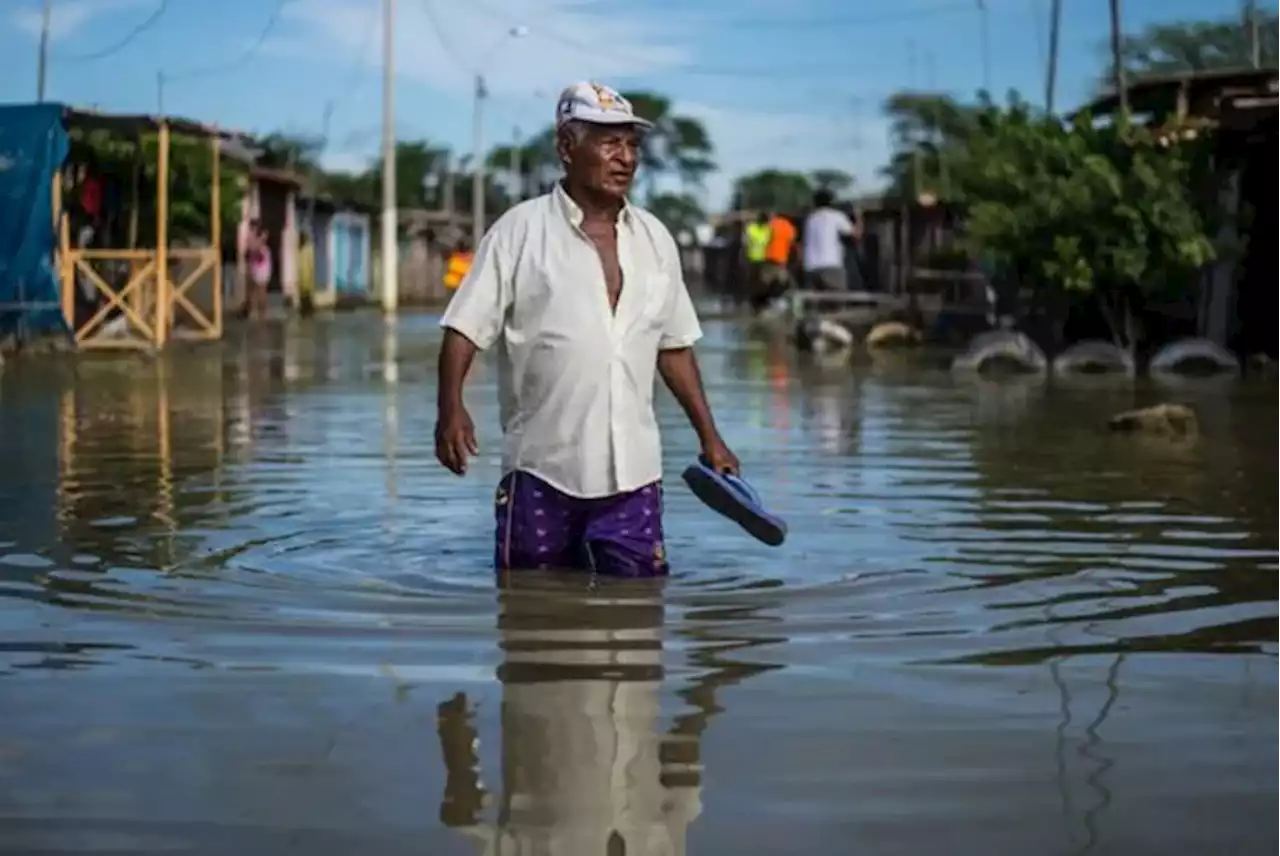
580,764
586,765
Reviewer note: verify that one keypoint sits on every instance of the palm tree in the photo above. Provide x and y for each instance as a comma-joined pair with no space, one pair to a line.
773,190
678,144
537,162
923,127
1186,46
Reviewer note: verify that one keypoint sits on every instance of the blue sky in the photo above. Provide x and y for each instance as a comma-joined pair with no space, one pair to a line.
794,84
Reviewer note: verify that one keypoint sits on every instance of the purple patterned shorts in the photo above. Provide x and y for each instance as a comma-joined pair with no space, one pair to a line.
540,527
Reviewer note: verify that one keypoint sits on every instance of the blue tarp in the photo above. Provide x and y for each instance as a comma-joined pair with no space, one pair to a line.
33,145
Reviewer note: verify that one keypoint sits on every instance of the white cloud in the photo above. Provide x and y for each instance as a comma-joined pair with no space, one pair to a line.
345,161
566,41
747,141
68,17
571,40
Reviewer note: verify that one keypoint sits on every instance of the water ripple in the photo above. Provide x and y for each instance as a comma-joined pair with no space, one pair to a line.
273,508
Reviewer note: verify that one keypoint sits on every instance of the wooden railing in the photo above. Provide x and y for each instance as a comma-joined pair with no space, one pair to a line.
149,301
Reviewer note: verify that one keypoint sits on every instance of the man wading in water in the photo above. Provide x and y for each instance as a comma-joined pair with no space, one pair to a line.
584,295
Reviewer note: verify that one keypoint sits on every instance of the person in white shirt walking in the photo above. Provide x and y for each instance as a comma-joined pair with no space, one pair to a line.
826,232
584,295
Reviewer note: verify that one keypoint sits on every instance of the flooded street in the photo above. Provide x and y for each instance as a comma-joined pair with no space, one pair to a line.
243,610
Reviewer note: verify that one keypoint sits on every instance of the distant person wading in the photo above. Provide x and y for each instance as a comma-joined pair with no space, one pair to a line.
755,243
458,265
827,233
775,277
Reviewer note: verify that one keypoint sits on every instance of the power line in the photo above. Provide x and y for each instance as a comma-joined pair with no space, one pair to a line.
352,83
909,13
779,71
142,27
241,60
438,29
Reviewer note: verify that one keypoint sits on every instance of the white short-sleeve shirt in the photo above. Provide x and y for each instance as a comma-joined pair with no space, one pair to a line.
824,230
575,379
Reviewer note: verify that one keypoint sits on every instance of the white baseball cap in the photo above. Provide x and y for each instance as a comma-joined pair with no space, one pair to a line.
596,104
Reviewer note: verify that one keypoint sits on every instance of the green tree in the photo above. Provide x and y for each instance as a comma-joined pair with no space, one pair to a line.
773,189
536,159
835,180
1185,46
1106,214
417,162
289,151
677,144
131,161
678,211
355,188
924,127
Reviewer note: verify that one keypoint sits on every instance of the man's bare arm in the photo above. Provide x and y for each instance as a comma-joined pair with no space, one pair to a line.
455,432
679,370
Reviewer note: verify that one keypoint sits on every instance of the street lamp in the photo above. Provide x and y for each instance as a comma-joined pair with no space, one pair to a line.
477,135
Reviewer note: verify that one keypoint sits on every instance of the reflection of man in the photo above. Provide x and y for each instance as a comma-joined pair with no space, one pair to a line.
585,296
581,766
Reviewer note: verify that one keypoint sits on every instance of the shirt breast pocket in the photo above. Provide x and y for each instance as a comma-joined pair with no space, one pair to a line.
657,300
531,301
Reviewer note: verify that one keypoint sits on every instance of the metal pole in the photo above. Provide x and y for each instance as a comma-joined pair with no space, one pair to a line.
1252,28
325,121
448,187
42,59
1051,76
1117,58
986,46
516,166
477,165
390,216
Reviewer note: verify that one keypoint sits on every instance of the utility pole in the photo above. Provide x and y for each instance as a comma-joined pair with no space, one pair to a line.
516,165
160,93
1117,59
42,59
1252,30
1051,76
447,187
326,120
477,164
390,216
986,46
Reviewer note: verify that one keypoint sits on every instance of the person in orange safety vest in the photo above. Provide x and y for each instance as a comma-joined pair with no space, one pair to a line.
457,266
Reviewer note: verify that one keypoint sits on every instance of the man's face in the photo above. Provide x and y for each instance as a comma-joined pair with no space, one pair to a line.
605,159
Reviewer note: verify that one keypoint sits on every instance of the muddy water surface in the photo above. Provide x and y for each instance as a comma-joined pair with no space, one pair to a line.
243,611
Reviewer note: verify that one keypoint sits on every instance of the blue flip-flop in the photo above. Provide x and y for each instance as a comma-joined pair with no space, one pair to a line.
732,497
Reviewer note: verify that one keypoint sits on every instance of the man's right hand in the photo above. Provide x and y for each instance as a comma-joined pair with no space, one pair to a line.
456,440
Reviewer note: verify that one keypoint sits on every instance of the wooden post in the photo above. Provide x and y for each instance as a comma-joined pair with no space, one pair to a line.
55,197
62,241
215,232
162,238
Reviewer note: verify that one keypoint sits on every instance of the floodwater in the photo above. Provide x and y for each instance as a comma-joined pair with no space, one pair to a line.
242,611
